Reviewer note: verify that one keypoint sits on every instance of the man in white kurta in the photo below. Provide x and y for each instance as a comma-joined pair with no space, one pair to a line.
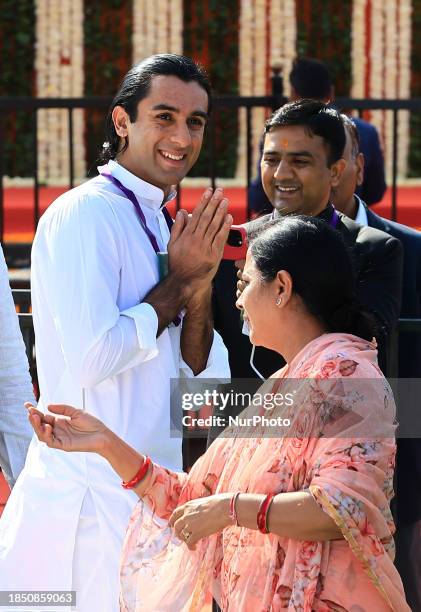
97,348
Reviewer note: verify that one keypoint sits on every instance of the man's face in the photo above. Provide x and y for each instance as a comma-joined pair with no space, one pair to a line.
351,178
295,175
166,138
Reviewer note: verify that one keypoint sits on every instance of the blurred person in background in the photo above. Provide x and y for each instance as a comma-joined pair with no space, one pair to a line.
310,78
15,385
408,464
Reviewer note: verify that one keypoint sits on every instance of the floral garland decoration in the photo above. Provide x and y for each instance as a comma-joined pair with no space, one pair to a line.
358,56
391,33
404,85
157,27
59,73
258,44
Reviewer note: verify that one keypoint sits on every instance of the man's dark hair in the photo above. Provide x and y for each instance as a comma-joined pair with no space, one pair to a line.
311,79
321,268
318,119
136,86
351,128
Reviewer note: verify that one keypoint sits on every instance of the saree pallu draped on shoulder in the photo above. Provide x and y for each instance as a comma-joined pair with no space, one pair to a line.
340,447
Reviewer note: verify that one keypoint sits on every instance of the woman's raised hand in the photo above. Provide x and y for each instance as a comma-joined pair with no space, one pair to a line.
73,430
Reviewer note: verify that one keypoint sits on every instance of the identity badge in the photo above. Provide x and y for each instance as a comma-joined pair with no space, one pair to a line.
162,264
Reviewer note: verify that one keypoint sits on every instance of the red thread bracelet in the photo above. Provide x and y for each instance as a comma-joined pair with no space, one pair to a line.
232,512
140,475
262,515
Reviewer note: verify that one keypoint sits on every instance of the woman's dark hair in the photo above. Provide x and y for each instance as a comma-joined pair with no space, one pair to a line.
318,119
136,85
321,269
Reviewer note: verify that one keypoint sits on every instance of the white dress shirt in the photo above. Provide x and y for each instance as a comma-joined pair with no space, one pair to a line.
361,217
96,346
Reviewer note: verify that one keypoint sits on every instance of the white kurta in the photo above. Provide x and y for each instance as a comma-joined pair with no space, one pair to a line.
96,347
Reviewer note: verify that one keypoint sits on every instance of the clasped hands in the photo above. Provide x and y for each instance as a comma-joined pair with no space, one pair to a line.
197,241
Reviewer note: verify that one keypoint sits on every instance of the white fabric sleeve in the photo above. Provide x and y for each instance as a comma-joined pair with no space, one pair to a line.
15,381
217,366
79,261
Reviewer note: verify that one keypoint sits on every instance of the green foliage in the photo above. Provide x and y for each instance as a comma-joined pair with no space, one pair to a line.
211,37
108,56
17,51
324,33
414,165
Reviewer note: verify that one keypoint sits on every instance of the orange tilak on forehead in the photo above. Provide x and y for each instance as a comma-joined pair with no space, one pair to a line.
285,143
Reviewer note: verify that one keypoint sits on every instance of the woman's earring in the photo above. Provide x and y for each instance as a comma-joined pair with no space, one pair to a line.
278,301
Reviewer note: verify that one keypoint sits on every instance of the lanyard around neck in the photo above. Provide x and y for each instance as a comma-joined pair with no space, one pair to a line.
334,219
104,171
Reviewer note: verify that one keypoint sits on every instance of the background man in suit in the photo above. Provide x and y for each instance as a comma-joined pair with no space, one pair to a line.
302,162
310,78
408,473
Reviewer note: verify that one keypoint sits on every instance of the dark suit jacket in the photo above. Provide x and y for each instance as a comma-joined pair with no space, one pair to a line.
408,464
409,344
377,261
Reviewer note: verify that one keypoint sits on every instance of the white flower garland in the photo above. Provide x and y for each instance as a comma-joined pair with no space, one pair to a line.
260,78
390,72
77,86
59,73
253,65
289,41
377,61
404,84
157,28
390,77
176,22
358,58
245,77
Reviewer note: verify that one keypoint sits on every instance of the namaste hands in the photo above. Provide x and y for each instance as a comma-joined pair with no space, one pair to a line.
197,241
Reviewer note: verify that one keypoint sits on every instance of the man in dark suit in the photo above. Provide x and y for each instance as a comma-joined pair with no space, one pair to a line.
301,163
310,78
408,470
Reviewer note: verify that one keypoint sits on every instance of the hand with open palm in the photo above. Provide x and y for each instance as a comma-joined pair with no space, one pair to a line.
74,430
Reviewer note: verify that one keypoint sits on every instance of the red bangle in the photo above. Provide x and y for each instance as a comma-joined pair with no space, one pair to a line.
262,515
140,475
232,512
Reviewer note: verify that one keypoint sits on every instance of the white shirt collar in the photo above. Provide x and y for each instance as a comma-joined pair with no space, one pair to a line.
361,217
150,195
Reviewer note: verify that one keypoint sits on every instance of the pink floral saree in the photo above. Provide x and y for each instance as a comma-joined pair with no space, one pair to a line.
340,447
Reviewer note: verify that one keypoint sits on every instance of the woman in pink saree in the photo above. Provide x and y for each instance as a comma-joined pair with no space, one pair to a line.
326,541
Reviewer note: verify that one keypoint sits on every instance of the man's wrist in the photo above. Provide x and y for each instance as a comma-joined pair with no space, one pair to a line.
200,296
181,285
